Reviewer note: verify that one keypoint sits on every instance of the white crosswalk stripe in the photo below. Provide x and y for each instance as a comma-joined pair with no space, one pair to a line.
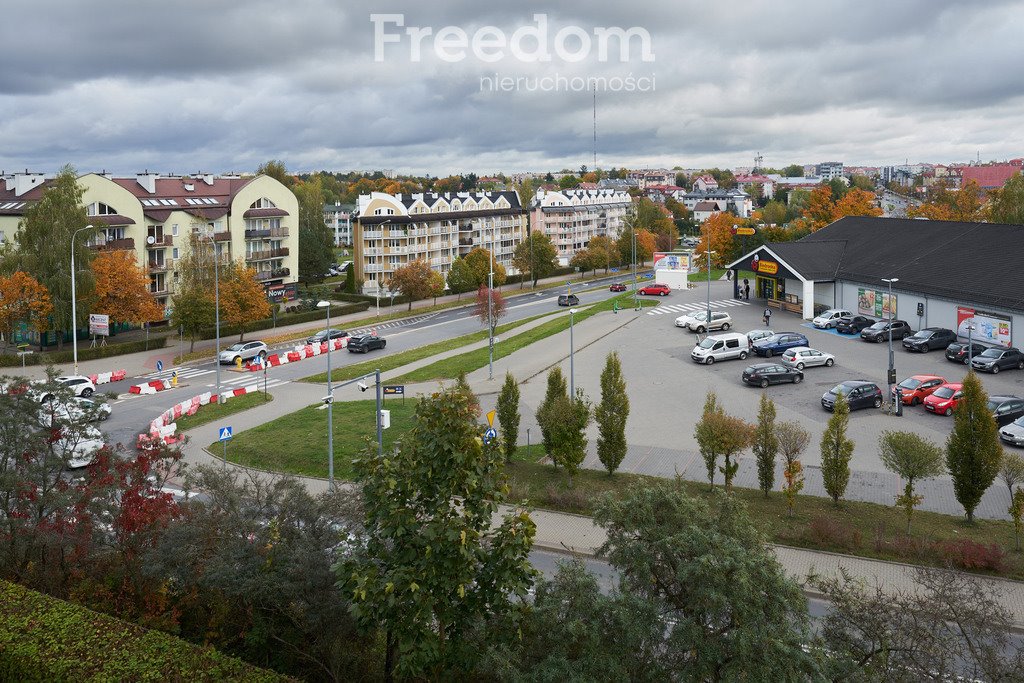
696,306
255,378
183,373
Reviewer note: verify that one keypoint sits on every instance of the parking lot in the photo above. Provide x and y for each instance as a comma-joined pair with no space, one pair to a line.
667,388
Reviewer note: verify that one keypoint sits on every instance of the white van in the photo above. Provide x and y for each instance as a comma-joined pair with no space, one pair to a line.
721,347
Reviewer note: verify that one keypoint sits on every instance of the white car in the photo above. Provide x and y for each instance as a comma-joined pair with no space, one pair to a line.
697,322
800,357
82,386
828,319
78,446
243,351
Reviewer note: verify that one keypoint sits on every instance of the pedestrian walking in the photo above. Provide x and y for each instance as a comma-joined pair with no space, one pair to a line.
746,288
767,317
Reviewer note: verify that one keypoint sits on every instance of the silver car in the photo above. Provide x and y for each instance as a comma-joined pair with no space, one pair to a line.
800,357
243,351
1013,433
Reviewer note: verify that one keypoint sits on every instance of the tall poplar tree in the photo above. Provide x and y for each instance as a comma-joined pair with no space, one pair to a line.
973,452
836,450
610,415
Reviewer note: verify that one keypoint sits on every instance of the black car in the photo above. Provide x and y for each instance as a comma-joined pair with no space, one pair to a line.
929,338
323,335
859,394
880,331
853,324
1006,409
763,374
366,342
568,300
962,352
993,360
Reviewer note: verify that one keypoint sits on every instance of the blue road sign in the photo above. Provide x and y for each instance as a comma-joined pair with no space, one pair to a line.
225,433
490,434
615,270
159,365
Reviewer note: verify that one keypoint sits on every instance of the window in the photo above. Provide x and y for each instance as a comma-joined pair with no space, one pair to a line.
100,209
263,203
174,253
174,230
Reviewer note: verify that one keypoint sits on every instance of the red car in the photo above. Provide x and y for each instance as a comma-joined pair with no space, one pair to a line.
659,290
917,388
618,287
944,399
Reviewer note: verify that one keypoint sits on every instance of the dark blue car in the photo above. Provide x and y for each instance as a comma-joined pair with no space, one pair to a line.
776,344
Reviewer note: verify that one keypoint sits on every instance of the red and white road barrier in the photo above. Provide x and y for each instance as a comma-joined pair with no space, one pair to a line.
150,387
165,427
298,353
108,377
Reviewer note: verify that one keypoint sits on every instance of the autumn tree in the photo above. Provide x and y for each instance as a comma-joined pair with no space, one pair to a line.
1007,203
192,309
836,450
766,444
645,245
793,440
611,414
912,458
1011,471
414,281
243,300
436,284
122,289
856,202
23,299
490,307
973,453
718,231
945,204
583,260
536,255
820,207
43,246
460,278
508,415
604,252
479,263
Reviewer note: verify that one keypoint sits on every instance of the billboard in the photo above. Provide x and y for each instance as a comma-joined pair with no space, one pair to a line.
99,325
664,260
876,303
992,329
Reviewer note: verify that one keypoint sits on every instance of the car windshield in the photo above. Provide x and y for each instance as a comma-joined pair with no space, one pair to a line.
910,383
700,316
923,334
236,347
1019,421
991,353
773,339
992,405
707,343
944,392
877,326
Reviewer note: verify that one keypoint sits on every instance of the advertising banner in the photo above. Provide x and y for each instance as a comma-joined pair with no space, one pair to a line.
875,303
672,261
99,325
992,329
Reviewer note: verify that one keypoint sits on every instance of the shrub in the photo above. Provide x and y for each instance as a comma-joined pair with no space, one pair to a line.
286,319
826,531
967,554
67,355
559,498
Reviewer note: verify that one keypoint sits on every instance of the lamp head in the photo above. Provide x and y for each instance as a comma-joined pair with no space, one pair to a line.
323,304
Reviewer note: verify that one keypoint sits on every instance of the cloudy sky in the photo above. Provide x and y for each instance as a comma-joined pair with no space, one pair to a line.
218,86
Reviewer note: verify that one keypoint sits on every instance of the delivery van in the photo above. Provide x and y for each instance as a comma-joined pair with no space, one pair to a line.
721,347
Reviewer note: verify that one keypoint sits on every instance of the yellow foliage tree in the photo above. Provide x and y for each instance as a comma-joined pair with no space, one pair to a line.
243,300
856,202
122,289
23,299
965,204
718,231
820,207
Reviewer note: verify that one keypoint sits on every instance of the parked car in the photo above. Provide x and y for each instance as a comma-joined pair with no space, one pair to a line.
720,347
78,408
778,343
917,388
859,394
800,357
617,287
995,359
80,385
1006,409
763,374
78,445
568,300
1013,433
943,400
881,330
244,351
853,324
929,338
366,342
830,318
323,335
756,335
962,352
655,289
698,322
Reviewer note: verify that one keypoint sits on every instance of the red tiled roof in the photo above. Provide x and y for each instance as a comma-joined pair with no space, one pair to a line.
989,177
705,206
274,212
113,219
174,188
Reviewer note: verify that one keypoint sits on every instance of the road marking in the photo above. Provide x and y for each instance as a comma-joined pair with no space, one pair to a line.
696,306
183,373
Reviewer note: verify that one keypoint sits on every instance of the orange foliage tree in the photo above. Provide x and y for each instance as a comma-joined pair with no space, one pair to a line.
23,299
122,289
856,202
965,204
243,300
718,231
819,207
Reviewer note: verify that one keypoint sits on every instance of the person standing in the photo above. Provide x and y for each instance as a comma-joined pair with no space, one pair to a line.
767,317
746,288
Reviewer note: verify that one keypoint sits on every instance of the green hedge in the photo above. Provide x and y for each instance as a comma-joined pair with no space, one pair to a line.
286,319
46,639
67,355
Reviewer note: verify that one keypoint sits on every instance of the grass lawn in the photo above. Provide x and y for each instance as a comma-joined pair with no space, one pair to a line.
854,528
448,368
297,443
397,360
209,413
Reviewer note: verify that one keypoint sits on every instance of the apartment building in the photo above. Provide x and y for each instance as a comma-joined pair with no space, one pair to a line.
829,170
391,231
254,219
338,217
571,218
713,201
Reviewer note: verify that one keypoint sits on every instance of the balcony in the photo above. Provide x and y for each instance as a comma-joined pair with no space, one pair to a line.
372,268
279,252
117,245
464,241
157,289
266,254
265,233
160,266
159,241
373,234
372,251
221,236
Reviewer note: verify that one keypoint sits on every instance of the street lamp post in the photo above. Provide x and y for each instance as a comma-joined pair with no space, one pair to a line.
892,360
970,346
216,305
709,253
329,400
572,368
74,301
330,404
636,304
490,312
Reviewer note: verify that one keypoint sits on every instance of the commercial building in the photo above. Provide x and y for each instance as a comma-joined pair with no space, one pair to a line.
571,218
949,274
391,231
253,218
338,217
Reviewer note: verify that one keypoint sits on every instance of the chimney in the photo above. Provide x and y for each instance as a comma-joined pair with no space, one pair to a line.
147,180
23,182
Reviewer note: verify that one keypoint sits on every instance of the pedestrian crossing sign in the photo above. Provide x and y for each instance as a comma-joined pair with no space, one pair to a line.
225,433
